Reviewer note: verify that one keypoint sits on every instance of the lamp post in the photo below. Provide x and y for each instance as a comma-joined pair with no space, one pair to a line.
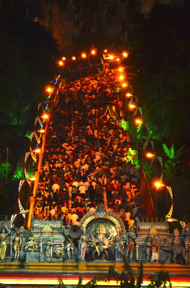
49,90
139,121
159,184
45,117
73,66
171,220
132,106
83,64
128,100
152,156
92,53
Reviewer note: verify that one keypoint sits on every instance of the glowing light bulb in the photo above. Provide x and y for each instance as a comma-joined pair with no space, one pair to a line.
74,58
63,58
124,85
41,131
105,51
83,55
45,116
138,121
37,150
121,77
171,220
159,184
149,155
129,95
125,54
120,69
132,106
93,52
49,89
60,63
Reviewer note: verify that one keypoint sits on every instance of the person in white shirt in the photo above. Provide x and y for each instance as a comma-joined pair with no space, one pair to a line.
86,185
82,191
92,209
55,187
94,184
76,184
74,218
52,212
85,167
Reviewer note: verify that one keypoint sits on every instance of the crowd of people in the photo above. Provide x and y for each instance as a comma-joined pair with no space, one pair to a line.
87,159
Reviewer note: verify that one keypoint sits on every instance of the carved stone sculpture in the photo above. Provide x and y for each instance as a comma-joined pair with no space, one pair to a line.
31,245
176,251
118,247
17,245
83,245
130,241
3,243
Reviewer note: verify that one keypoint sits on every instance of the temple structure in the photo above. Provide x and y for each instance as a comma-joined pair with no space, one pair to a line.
83,200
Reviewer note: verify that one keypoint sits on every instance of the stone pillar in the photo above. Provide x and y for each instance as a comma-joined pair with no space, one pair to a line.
137,252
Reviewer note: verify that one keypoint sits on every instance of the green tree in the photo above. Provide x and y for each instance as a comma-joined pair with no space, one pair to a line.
27,59
159,61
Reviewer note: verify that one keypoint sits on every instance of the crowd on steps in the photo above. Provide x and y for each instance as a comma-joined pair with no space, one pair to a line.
87,159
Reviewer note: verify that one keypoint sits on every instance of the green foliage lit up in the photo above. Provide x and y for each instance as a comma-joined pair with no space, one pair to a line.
28,134
171,153
136,163
19,174
125,125
5,169
172,162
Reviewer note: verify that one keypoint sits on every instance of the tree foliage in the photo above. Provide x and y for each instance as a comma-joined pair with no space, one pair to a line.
125,279
27,54
27,61
171,164
159,61
161,278
5,169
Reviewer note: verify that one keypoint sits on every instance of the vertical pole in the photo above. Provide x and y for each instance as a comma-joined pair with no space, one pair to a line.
7,156
51,248
137,252
37,174
105,198
158,253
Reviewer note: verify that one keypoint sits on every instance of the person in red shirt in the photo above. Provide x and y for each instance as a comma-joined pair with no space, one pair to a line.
109,189
68,178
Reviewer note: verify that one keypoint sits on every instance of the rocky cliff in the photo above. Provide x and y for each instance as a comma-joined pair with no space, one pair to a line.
80,24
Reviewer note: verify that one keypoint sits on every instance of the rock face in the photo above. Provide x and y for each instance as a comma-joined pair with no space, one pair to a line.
79,25
147,5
